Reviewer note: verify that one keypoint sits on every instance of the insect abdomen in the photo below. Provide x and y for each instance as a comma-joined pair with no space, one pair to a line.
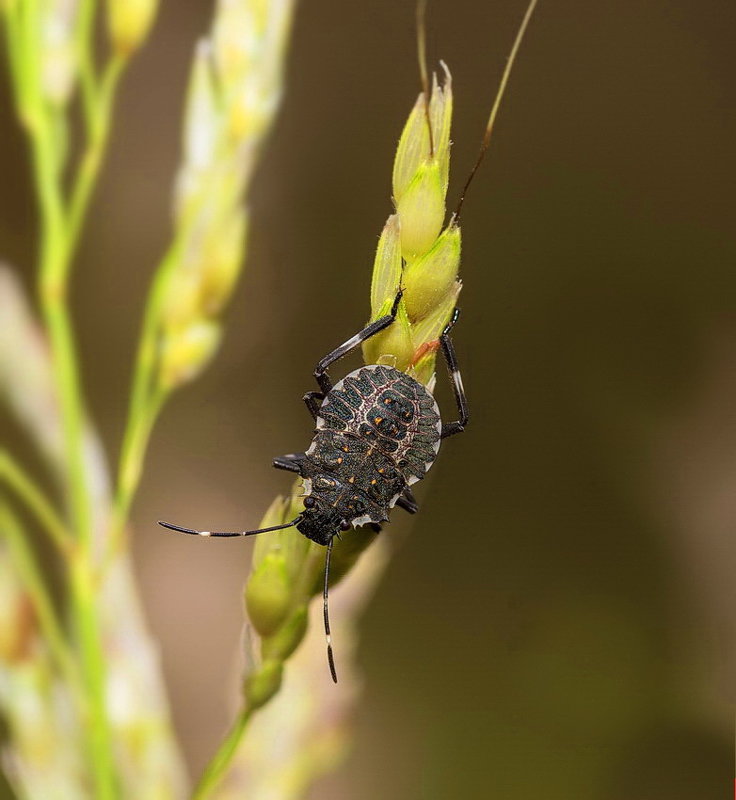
393,415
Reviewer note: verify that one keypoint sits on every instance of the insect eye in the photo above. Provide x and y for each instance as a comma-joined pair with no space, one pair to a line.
345,525
309,502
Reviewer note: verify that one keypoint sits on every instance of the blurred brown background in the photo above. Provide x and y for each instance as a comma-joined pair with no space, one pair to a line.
559,623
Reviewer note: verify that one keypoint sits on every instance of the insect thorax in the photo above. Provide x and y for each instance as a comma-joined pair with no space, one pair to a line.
377,431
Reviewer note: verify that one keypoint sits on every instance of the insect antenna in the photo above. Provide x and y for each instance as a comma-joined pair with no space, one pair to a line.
179,529
326,612
496,104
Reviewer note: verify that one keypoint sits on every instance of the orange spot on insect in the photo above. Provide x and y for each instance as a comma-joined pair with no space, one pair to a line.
373,482
377,420
351,479
340,460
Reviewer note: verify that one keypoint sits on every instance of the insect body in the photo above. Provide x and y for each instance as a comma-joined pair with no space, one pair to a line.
377,432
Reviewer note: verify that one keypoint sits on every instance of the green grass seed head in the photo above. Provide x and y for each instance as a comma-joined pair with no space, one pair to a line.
413,251
262,684
432,277
186,350
128,23
268,594
421,209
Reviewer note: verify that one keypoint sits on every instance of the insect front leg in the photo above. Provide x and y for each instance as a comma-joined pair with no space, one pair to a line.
448,351
320,371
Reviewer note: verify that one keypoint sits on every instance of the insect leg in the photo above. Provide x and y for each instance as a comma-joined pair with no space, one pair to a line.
290,462
313,400
320,371
448,351
407,501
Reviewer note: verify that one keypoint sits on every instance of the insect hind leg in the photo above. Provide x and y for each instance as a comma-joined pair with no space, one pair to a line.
461,401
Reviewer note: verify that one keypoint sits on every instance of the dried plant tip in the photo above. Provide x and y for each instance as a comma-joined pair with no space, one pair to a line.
421,210
186,352
128,23
430,278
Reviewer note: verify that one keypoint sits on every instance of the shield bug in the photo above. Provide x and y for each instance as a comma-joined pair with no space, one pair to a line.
377,432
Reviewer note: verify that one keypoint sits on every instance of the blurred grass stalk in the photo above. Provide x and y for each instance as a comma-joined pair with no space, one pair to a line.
80,688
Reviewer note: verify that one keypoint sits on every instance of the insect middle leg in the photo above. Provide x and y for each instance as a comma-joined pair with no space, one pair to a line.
448,351
320,371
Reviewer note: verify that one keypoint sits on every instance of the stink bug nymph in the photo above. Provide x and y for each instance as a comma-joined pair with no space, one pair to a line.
377,432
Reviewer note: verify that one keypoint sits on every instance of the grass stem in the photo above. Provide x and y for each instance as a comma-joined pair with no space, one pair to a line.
220,762
34,499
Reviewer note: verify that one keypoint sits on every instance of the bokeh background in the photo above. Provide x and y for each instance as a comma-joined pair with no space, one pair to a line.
559,622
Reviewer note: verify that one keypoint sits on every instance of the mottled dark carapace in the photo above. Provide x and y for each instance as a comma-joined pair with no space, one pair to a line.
378,431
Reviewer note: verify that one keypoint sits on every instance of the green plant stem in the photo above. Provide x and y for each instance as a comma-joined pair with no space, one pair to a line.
12,41
53,273
83,592
147,396
216,768
98,117
135,444
83,597
35,500
85,55
54,267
